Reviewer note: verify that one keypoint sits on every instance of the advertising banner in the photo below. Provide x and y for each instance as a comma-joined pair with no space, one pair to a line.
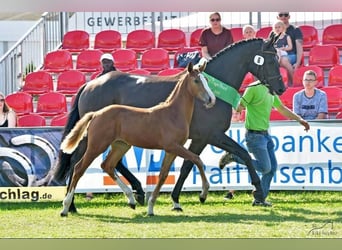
306,161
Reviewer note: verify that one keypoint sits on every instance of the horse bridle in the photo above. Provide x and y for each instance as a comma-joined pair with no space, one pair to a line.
265,80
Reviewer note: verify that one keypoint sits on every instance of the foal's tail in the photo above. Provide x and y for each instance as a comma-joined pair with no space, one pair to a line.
72,140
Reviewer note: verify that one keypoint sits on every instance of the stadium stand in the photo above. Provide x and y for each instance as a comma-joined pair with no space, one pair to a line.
59,120
310,36
37,83
332,35
88,61
75,41
168,72
31,120
20,102
324,56
58,61
264,32
335,76
194,38
155,60
125,59
51,104
171,39
68,82
237,33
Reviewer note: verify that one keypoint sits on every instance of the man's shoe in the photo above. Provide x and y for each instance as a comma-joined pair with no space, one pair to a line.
229,196
226,159
262,203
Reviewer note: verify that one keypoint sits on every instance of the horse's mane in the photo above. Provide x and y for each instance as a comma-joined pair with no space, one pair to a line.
234,46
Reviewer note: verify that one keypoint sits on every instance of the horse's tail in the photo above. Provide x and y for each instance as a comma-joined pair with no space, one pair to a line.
72,140
63,164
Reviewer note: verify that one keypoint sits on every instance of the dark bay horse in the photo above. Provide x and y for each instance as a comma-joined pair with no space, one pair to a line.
164,126
230,66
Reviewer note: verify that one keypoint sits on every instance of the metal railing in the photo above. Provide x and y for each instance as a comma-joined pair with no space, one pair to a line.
27,54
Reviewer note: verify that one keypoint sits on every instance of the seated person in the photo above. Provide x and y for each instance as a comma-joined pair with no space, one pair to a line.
7,115
310,103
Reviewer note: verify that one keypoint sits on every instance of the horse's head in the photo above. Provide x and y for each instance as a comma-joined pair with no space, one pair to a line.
199,84
266,67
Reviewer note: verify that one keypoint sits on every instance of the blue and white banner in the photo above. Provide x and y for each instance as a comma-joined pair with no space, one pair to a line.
306,160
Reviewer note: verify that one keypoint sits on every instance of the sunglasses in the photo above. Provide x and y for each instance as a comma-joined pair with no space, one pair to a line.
2,100
309,80
215,20
283,15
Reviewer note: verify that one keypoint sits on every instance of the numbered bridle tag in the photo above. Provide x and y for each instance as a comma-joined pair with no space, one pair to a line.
259,60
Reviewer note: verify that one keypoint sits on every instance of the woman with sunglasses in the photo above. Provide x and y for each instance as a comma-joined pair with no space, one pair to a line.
296,53
214,38
7,116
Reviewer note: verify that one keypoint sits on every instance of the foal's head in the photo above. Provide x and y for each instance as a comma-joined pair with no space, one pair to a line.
199,85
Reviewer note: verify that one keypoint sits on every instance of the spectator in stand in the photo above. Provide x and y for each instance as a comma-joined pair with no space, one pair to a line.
310,103
258,103
214,38
283,45
248,32
296,53
8,117
107,62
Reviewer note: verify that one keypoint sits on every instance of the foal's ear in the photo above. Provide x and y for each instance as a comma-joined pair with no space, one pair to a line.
202,66
190,67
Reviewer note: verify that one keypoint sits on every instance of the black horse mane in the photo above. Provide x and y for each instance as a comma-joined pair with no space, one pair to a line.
234,46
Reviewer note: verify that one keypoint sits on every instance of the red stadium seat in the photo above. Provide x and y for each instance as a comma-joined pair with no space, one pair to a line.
237,34
181,51
107,40
125,59
20,102
38,82
75,41
332,35
325,56
59,120
142,72
284,75
171,39
287,96
339,115
299,72
335,76
310,36
89,61
169,72
140,40
334,96
51,104
195,37
264,32
155,60
276,116
69,82
58,61
31,120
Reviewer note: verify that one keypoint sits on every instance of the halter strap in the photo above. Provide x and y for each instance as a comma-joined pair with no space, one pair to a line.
223,90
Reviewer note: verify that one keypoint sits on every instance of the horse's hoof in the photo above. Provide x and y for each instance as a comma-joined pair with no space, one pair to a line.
150,215
202,200
140,198
177,209
132,206
64,214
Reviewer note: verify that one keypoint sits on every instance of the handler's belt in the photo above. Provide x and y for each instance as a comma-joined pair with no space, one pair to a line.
263,132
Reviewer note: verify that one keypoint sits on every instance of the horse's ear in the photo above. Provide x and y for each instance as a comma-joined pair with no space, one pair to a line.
272,39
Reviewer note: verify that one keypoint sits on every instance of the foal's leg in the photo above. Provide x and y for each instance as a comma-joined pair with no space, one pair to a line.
164,172
79,170
186,154
118,149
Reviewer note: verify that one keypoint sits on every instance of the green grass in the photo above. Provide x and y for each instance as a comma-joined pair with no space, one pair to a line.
293,215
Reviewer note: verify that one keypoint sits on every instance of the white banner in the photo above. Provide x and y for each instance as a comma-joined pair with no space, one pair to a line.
306,161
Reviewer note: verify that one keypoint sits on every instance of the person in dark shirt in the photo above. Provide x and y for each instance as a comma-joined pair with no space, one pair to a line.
214,38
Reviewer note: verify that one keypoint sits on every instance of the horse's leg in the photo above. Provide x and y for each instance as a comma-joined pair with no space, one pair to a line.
118,149
135,183
79,170
228,144
164,172
196,147
76,157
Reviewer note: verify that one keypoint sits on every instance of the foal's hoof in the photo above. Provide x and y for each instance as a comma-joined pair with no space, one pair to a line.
140,198
177,209
63,214
131,206
150,215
